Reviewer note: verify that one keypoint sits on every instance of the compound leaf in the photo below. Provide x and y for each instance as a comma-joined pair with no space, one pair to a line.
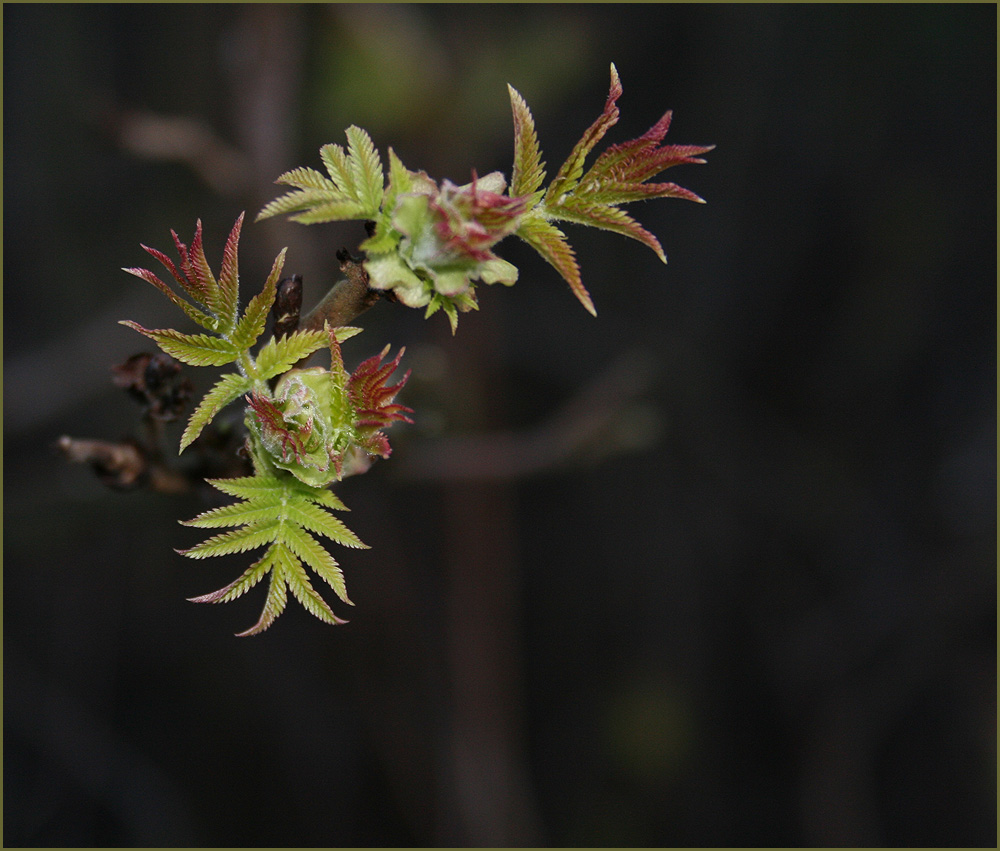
281,512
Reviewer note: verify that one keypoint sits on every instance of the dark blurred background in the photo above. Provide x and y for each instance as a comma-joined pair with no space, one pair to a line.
716,568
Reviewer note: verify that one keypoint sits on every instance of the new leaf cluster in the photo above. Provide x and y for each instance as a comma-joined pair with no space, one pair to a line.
279,509
432,243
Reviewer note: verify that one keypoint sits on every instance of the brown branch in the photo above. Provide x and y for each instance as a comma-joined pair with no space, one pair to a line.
186,140
123,466
604,419
156,382
347,299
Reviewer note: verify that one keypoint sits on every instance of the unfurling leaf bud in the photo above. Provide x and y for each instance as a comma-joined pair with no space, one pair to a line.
318,421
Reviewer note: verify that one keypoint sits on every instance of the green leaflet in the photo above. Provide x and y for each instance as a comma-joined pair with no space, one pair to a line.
251,326
354,189
551,244
229,388
528,171
282,513
194,349
570,171
366,170
607,217
278,356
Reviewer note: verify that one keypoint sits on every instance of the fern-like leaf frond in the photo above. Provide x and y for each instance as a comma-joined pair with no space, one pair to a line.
592,198
354,189
284,514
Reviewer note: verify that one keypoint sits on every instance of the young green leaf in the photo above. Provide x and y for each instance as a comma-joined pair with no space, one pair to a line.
366,170
194,349
283,513
353,191
551,243
528,172
229,388
278,356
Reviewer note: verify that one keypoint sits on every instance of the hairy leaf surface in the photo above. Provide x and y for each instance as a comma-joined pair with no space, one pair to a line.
354,189
278,356
229,388
195,349
282,513
528,172
551,243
